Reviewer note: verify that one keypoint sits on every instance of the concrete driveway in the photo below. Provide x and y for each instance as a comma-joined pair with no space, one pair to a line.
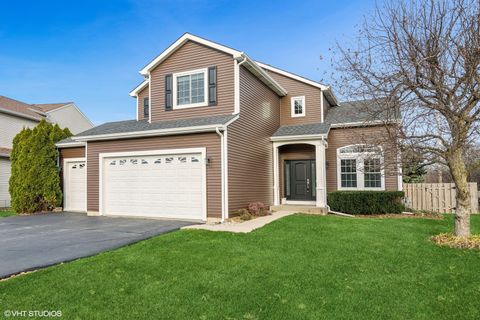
32,242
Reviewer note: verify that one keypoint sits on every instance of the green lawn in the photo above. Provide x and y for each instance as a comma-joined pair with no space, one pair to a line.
300,267
7,213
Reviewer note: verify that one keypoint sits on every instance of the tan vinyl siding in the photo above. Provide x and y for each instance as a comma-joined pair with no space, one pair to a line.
210,141
296,88
326,106
341,137
77,152
250,174
293,152
192,56
141,95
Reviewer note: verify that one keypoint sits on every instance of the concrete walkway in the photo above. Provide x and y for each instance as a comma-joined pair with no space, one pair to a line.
242,227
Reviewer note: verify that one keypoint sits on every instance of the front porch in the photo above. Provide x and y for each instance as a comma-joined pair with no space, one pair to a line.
300,175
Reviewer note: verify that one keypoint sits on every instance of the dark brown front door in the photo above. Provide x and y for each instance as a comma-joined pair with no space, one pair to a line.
300,180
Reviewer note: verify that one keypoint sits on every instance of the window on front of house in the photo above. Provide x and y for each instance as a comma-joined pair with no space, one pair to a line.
360,167
298,106
190,89
146,107
372,173
348,169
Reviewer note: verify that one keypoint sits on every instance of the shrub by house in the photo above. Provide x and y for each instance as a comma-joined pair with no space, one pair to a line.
35,183
366,202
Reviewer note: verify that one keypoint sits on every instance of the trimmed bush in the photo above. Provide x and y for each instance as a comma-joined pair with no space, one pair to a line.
366,202
35,183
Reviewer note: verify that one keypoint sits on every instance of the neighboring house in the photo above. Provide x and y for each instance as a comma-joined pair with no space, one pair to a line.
214,131
16,115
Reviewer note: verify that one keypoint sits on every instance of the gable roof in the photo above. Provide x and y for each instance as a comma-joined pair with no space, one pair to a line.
47,107
241,57
139,88
21,109
292,75
180,42
326,89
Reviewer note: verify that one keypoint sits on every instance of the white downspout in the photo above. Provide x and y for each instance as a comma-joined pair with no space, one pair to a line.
222,152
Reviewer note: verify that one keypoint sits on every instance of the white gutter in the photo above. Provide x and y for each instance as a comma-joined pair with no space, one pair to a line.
299,137
265,77
70,144
149,133
19,114
223,156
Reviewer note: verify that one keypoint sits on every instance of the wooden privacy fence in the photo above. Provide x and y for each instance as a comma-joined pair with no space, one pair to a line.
436,197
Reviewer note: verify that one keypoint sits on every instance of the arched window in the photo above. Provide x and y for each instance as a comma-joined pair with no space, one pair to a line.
360,167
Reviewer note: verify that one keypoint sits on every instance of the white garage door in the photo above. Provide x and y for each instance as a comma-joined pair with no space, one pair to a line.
75,185
4,177
154,185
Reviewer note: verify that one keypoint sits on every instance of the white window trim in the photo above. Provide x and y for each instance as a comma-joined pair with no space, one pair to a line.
292,106
360,157
205,89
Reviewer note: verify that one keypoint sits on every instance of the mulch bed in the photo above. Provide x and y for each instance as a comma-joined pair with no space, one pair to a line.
401,215
452,241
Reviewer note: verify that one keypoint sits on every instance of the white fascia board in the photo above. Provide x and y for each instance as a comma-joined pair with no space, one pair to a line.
151,133
4,155
328,90
292,75
139,88
72,144
21,115
177,44
301,137
260,73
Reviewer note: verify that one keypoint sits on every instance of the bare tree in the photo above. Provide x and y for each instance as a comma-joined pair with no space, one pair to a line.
422,57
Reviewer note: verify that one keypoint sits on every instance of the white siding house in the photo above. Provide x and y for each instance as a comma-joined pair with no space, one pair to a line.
16,115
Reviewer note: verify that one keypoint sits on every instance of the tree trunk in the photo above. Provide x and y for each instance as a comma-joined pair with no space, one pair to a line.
459,175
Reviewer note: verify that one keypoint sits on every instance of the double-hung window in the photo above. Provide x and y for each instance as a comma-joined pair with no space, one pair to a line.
190,89
360,168
298,106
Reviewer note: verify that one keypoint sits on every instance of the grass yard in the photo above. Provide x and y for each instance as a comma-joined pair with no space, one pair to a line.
299,267
6,213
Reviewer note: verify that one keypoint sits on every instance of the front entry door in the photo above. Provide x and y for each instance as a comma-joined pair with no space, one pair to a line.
300,180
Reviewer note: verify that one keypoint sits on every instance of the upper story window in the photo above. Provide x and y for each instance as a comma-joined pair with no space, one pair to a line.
146,107
359,167
190,89
298,106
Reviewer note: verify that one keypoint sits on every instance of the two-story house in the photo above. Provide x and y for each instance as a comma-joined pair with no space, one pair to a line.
16,115
214,131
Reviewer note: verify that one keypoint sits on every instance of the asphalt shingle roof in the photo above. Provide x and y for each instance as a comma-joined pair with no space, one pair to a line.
358,111
144,125
47,107
302,129
18,107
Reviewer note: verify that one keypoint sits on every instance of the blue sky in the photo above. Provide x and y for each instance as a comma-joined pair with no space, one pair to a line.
90,52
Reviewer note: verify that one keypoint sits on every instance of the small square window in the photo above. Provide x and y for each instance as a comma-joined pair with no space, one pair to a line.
298,106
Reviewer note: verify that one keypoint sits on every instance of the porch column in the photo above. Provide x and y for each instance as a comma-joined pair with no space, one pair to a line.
276,176
321,174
